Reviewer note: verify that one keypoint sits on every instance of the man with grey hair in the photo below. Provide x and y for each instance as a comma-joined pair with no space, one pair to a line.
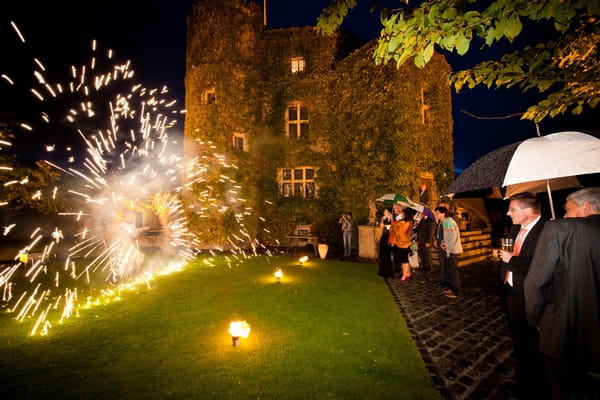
583,203
562,297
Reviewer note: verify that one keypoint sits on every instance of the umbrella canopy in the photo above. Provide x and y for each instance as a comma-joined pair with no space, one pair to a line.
394,198
553,156
420,208
544,158
541,163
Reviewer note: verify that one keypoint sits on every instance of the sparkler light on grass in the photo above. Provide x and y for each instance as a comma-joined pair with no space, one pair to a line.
131,225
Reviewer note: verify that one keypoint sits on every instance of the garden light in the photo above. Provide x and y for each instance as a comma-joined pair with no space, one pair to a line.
302,260
238,329
278,275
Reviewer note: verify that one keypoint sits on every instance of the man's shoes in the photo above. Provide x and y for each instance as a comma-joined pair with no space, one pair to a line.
449,293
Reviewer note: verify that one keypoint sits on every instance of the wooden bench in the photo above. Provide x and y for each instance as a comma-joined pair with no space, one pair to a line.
296,241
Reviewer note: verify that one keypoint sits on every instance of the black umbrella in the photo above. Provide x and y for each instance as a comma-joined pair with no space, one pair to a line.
487,172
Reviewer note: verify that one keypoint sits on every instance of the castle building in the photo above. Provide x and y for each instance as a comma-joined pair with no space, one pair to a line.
314,127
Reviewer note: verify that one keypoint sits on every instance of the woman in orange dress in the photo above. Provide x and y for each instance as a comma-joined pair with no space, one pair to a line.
399,240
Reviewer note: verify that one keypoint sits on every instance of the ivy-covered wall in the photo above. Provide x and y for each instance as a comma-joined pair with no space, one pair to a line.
366,131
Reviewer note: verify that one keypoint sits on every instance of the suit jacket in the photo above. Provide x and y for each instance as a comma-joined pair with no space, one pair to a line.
562,291
519,265
425,231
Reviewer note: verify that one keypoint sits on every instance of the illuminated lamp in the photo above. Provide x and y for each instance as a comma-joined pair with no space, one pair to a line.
278,275
302,260
237,330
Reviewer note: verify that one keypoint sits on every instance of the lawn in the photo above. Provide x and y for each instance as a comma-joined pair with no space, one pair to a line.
328,330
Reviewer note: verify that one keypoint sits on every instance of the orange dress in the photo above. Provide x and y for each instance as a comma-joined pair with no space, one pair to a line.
400,234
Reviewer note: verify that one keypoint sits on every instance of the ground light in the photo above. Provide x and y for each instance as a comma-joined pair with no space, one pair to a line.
278,275
302,260
238,330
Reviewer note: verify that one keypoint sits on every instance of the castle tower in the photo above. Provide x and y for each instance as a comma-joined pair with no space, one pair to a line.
222,35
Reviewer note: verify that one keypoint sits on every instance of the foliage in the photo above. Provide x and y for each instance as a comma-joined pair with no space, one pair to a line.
567,68
367,135
330,329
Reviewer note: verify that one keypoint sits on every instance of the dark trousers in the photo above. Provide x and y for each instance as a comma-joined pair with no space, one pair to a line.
443,270
530,369
425,257
452,272
386,268
571,379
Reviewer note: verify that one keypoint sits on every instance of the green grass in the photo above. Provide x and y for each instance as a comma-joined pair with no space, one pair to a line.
329,330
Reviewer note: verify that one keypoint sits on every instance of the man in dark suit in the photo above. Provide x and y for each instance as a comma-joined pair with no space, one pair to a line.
425,237
524,210
562,297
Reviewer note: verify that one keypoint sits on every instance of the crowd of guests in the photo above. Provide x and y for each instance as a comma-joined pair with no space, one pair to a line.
550,283
401,226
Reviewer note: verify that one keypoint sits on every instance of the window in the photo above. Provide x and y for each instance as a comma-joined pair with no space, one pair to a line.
424,107
297,64
298,182
239,142
210,96
297,121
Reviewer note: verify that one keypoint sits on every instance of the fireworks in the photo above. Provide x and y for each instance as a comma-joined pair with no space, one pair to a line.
130,225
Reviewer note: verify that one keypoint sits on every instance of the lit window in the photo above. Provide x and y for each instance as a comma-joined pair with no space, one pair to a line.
298,182
239,142
297,64
297,121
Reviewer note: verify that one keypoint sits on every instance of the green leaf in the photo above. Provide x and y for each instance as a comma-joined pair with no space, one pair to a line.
428,52
490,37
393,44
513,29
462,44
450,13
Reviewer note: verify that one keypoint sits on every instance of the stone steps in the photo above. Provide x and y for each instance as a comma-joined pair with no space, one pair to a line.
477,246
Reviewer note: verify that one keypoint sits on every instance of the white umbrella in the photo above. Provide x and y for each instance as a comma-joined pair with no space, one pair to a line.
557,157
552,156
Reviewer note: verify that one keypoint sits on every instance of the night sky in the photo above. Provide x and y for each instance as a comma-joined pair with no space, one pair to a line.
152,33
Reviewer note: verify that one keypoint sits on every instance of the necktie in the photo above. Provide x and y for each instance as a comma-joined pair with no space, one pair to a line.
516,251
519,241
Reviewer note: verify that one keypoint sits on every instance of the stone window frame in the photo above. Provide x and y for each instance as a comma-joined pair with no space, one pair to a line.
210,96
239,141
425,109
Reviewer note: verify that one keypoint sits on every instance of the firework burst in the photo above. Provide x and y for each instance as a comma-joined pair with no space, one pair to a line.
131,224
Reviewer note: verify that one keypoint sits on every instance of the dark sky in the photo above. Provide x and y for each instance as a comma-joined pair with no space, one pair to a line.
151,34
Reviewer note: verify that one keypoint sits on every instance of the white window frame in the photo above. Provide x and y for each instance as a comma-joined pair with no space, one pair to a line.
297,128
298,182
